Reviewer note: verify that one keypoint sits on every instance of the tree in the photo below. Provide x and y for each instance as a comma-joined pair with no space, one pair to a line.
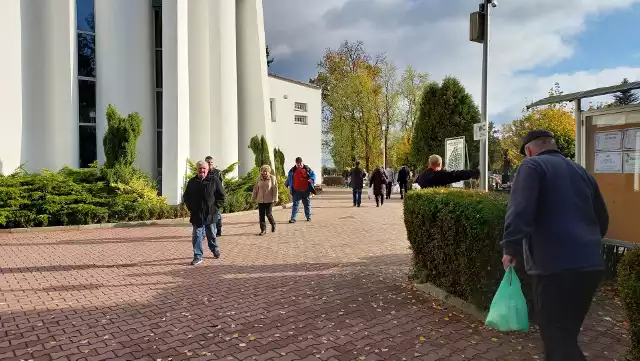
260,149
446,111
269,58
121,137
496,151
625,97
555,119
278,157
388,104
350,81
410,88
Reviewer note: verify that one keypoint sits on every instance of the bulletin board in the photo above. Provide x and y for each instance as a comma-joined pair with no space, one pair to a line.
612,155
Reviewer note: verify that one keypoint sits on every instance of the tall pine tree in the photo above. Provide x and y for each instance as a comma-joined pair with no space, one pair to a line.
625,97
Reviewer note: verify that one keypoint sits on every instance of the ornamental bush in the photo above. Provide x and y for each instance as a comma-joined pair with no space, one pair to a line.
629,286
455,238
121,137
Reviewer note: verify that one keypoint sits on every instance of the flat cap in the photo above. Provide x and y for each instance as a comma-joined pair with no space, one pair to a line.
533,135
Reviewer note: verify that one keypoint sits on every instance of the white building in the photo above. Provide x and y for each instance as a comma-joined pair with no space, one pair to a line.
195,71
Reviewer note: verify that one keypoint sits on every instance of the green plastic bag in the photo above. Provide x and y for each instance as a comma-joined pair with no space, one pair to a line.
508,310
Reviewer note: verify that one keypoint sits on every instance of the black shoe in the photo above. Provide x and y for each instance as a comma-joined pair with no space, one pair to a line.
309,219
262,233
218,234
196,261
216,254
273,227
292,221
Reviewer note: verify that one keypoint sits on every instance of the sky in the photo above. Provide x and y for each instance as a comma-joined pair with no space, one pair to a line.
581,44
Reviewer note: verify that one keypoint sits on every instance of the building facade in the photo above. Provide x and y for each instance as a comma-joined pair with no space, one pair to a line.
194,70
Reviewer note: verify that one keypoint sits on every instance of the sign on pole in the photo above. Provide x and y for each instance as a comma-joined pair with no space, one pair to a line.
454,156
480,131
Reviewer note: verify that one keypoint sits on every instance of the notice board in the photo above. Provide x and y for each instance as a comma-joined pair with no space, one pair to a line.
612,155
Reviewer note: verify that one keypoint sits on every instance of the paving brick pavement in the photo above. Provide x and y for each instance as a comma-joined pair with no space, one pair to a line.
332,289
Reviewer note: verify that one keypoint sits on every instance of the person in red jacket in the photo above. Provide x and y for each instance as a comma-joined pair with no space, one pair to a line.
301,182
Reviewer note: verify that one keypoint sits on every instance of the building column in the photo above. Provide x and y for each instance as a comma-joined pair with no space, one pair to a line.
253,112
199,80
224,87
124,68
50,85
11,86
175,106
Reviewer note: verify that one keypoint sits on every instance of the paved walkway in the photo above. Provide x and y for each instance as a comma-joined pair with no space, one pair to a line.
332,289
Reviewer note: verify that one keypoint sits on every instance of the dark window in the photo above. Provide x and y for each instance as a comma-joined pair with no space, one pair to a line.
158,110
85,16
86,55
88,151
158,27
159,149
87,100
158,68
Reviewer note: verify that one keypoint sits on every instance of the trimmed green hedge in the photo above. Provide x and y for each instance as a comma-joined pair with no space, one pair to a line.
455,237
629,286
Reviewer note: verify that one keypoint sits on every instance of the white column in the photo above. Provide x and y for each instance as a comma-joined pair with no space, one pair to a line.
224,89
11,86
124,68
50,85
199,80
253,99
175,106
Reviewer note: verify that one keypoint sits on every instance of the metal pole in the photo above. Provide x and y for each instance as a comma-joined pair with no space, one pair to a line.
484,143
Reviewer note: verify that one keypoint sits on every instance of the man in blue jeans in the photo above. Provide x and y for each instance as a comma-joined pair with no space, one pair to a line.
357,183
203,196
301,180
215,172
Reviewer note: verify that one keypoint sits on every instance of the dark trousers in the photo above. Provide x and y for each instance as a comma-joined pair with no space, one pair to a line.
264,211
389,186
219,225
403,189
379,199
357,197
561,303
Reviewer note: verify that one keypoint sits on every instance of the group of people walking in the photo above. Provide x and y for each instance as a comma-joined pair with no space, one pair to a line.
204,197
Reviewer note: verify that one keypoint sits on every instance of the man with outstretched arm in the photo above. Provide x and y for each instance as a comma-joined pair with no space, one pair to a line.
435,176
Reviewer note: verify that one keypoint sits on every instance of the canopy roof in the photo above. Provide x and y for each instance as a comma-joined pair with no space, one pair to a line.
585,94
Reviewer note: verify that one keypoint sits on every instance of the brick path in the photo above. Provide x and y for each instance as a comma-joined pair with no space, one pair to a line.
332,289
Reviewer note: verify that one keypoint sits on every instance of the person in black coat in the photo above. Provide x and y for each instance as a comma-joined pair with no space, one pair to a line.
215,172
203,196
435,176
357,183
378,180
403,180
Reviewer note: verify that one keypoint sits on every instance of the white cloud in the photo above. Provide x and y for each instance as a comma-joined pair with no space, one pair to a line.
433,36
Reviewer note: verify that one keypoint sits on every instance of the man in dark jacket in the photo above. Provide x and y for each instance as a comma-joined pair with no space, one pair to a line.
203,196
435,176
357,183
215,172
556,219
301,182
403,180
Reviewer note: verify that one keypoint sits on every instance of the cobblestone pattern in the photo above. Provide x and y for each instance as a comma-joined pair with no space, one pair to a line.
332,289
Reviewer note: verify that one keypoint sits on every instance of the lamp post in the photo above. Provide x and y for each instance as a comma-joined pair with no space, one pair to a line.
480,33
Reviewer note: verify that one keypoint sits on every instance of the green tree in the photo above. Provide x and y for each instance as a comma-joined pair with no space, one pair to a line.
269,58
388,107
278,157
410,88
496,151
446,111
121,137
625,97
260,149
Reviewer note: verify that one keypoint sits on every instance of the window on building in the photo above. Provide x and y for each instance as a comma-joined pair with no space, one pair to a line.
157,30
300,119
86,36
272,104
301,107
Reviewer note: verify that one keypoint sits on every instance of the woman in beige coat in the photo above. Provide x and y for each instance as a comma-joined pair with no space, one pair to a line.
265,192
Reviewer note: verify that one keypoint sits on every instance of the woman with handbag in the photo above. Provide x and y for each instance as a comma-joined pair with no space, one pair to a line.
265,192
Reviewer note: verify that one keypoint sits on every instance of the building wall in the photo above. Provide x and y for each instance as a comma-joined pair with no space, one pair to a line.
296,140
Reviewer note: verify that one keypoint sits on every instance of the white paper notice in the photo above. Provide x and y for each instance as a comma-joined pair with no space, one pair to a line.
631,162
608,141
608,162
632,139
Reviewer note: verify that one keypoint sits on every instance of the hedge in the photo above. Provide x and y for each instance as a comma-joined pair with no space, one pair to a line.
629,286
455,237
333,181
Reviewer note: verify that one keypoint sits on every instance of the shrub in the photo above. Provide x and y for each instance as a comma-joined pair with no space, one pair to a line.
121,137
278,157
333,180
260,149
629,286
455,237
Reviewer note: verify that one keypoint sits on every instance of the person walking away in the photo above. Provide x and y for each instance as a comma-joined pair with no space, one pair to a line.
435,176
403,180
556,219
300,181
390,177
265,192
203,196
357,183
346,175
215,172
377,181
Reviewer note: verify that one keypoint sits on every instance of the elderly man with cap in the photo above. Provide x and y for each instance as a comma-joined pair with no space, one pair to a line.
556,219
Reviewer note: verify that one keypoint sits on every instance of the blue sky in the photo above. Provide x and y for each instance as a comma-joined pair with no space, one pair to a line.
581,44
